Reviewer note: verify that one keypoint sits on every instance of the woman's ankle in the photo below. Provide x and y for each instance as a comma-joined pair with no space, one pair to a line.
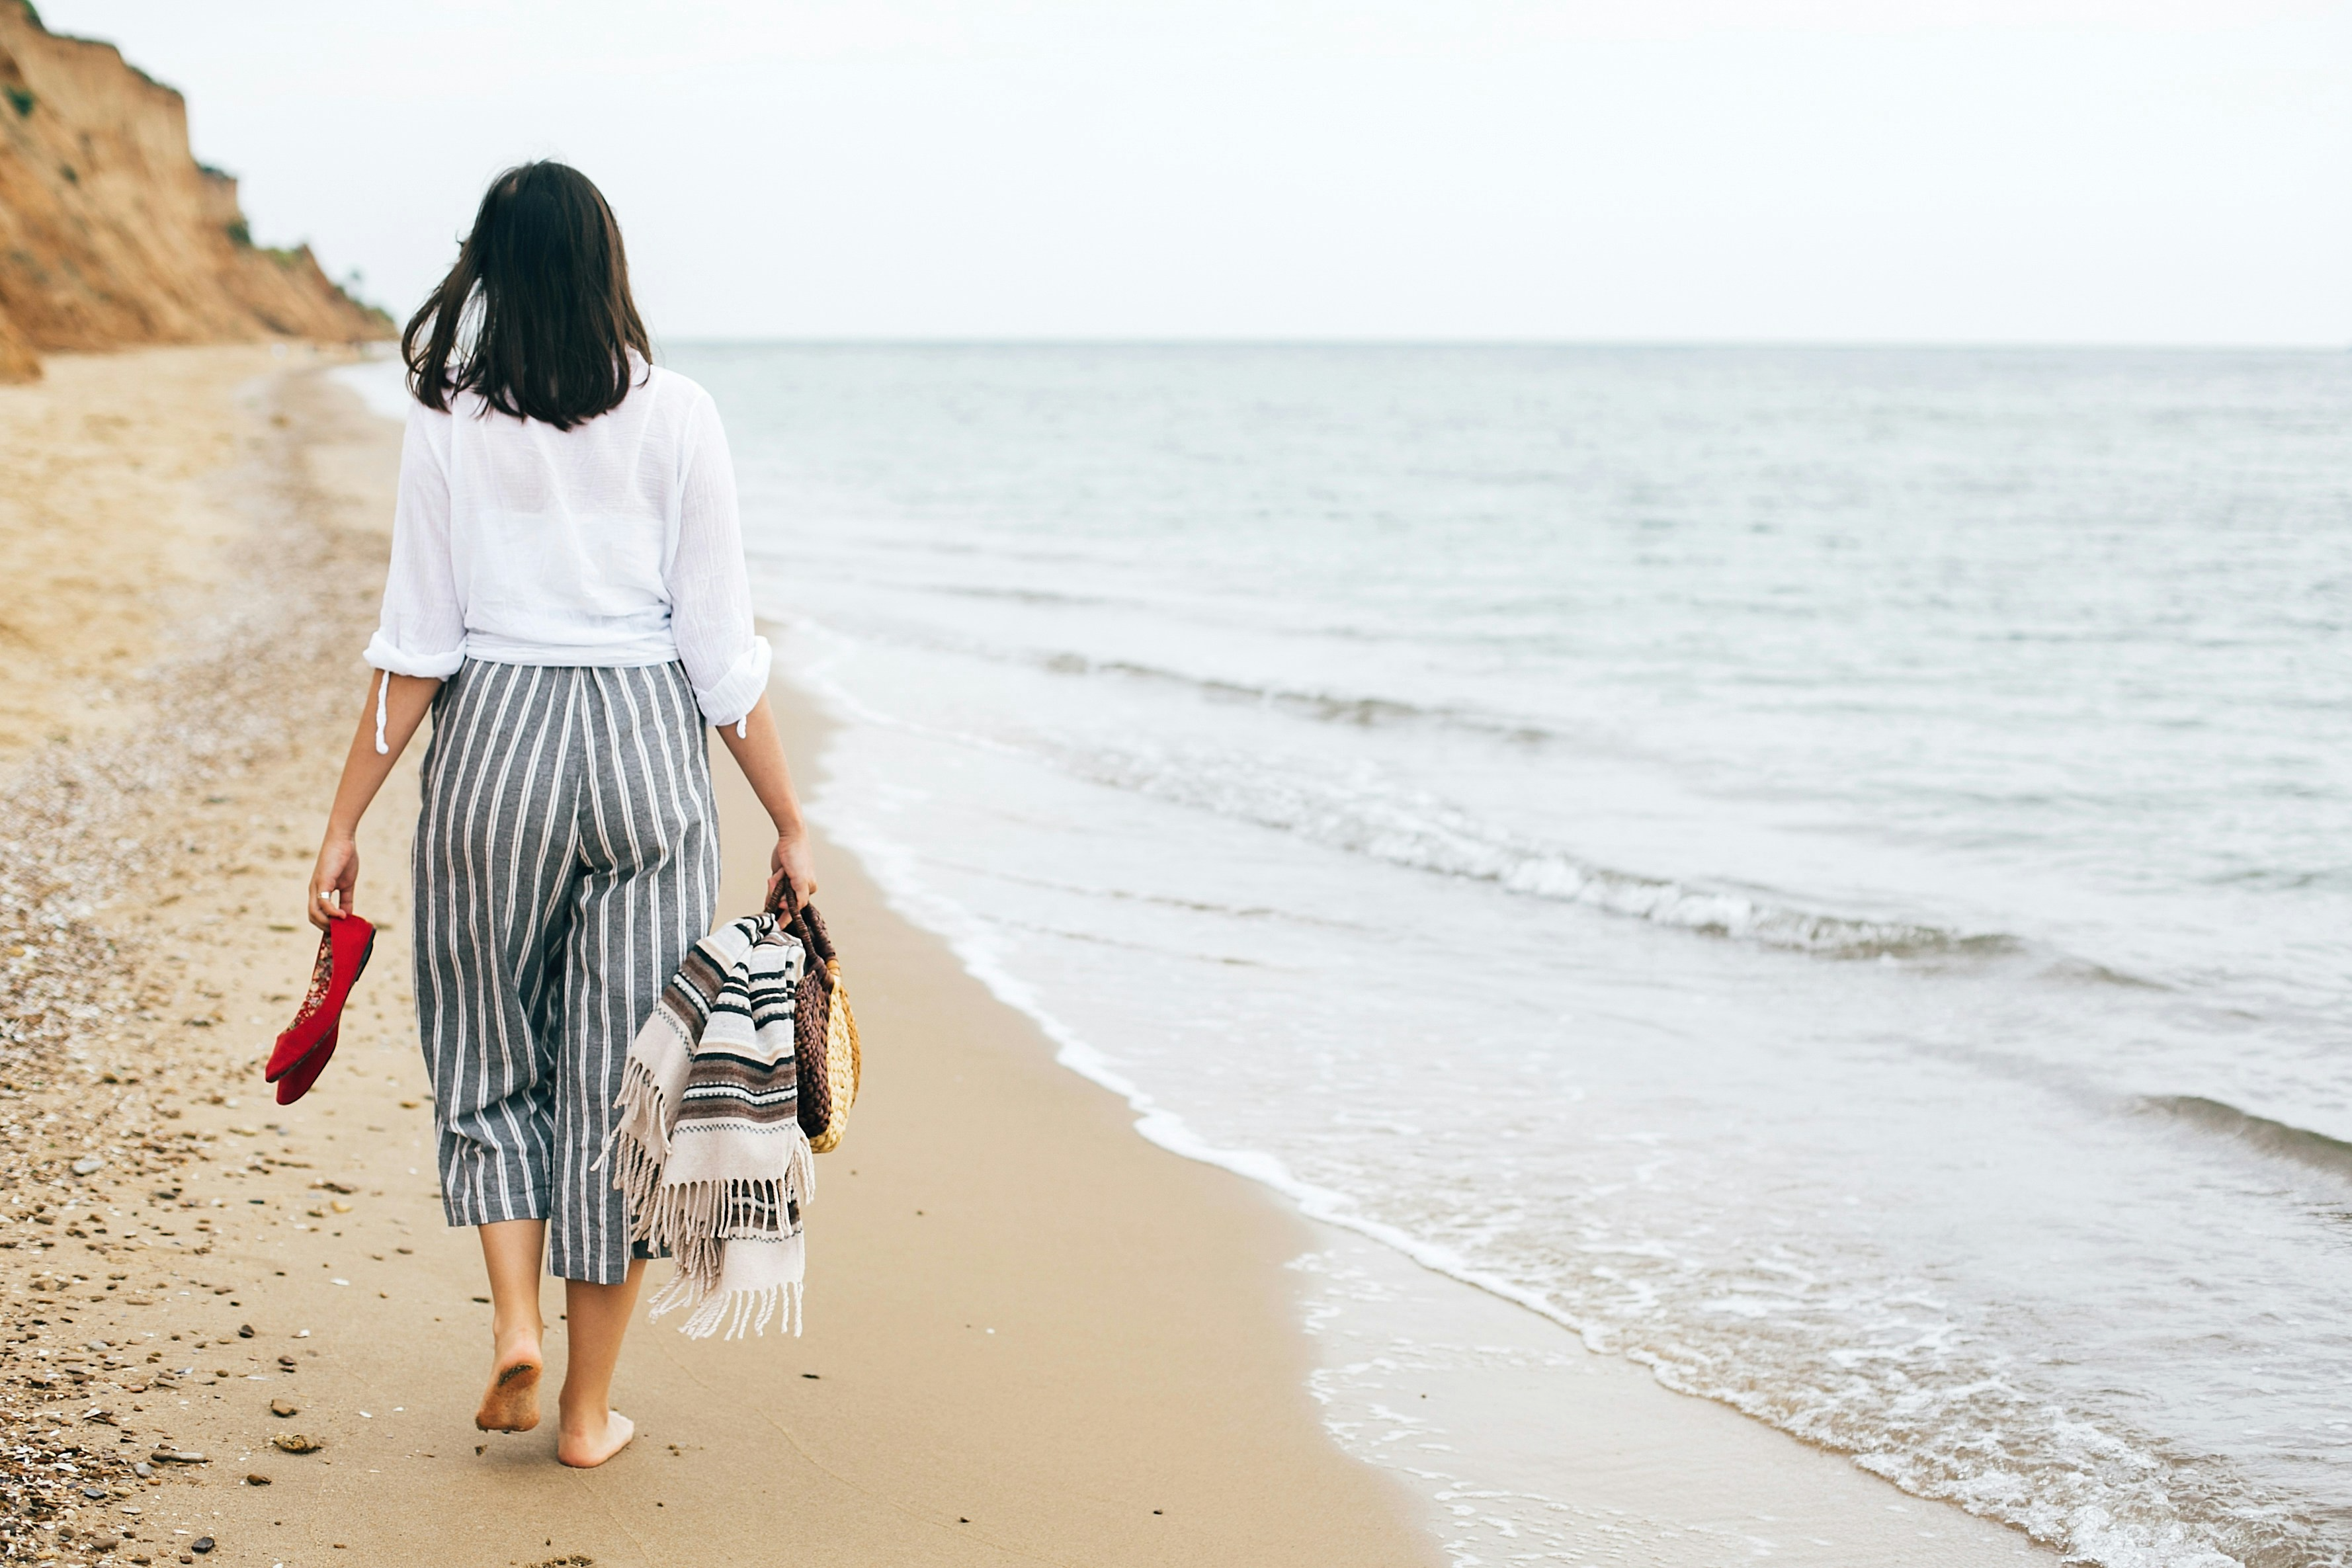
580,1414
508,1338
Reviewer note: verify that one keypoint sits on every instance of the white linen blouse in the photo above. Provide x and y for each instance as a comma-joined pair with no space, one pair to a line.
613,543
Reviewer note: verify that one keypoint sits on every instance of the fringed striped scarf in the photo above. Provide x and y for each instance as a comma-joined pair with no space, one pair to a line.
709,1149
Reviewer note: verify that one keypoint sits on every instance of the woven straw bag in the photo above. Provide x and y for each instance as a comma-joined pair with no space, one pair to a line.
824,1033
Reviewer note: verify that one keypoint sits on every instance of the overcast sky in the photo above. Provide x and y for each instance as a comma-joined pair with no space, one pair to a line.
2076,171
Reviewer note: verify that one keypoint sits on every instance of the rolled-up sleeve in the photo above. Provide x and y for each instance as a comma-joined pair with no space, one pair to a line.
725,657
422,630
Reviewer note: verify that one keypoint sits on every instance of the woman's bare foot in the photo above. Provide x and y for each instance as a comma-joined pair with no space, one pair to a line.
588,1446
510,1403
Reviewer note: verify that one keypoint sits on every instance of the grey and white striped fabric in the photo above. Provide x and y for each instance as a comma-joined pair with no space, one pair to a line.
566,858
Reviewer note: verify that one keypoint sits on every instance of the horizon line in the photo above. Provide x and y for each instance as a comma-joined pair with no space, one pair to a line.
976,340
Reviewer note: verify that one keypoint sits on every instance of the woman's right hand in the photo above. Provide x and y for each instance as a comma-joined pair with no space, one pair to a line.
334,880
790,859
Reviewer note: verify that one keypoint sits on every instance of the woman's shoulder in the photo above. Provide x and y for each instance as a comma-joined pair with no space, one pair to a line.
429,429
657,400
668,389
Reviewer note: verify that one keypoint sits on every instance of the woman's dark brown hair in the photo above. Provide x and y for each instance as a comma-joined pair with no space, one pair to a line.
536,315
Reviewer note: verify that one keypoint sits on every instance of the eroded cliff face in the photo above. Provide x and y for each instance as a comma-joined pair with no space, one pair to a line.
111,232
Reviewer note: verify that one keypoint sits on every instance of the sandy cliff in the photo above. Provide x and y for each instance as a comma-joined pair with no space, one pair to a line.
111,232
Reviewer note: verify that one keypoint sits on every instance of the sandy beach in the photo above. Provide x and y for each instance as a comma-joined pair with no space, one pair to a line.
1032,1334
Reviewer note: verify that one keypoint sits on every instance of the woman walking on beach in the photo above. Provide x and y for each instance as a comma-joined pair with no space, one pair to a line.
567,597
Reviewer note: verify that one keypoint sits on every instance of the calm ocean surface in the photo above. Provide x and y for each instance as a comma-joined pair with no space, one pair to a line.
1827,872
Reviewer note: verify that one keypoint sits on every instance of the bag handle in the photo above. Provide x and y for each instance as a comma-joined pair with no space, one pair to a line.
802,922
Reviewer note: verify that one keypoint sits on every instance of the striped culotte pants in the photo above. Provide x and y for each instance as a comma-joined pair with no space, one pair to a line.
566,858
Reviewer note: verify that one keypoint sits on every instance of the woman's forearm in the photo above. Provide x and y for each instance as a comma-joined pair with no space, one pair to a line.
760,752
405,700
334,881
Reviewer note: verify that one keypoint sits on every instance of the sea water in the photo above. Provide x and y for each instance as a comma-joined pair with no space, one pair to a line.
1825,872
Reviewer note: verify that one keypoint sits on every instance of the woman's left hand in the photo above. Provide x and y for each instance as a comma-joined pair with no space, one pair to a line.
790,859
334,879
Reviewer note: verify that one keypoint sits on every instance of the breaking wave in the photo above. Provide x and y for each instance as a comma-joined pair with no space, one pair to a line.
2281,1140
1428,835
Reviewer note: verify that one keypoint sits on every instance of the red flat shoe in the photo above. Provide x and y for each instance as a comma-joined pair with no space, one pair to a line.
343,951
305,1072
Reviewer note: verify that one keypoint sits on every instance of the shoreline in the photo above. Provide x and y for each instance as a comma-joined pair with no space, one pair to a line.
1184,1369
1419,1362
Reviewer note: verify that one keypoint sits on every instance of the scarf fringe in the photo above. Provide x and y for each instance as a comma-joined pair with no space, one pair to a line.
694,1221
641,1132
642,1144
645,1109
676,1215
741,1312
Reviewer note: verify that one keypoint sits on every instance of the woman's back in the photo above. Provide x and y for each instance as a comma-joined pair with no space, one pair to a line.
563,543
612,543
